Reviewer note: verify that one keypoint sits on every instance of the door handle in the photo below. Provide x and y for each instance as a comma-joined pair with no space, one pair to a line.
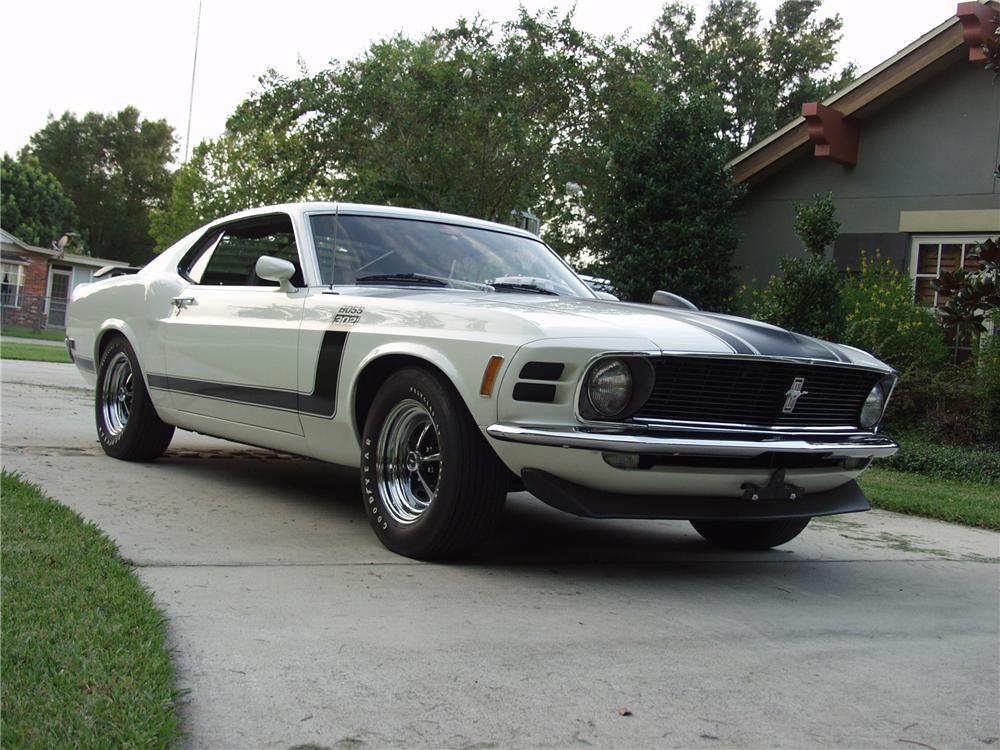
182,302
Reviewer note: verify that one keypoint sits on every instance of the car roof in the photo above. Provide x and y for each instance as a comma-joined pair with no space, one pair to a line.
307,207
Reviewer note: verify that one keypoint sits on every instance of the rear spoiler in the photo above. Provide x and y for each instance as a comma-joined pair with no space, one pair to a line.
110,271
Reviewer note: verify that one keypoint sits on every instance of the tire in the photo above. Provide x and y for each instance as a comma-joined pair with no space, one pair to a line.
127,423
431,485
748,535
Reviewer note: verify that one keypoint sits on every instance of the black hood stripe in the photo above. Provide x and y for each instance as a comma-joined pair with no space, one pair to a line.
749,337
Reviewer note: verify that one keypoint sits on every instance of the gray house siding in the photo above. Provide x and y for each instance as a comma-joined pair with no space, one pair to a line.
934,149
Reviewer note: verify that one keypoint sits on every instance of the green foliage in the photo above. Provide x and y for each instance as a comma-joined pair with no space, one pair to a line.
988,387
114,168
930,457
973,297
882,318
667,222
760,73
805,297
816,224
85,662
33,205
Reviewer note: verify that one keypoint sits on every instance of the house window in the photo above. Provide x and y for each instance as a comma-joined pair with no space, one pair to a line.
12,288
930,257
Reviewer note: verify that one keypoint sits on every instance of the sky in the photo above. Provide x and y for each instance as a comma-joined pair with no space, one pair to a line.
102,55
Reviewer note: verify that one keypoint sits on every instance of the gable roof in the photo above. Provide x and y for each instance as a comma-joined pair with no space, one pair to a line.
6,238
885,82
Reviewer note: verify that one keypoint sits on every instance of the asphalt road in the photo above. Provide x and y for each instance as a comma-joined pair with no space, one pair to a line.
292,626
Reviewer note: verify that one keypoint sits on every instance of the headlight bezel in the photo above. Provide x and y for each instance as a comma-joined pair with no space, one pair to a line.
642,378
883,387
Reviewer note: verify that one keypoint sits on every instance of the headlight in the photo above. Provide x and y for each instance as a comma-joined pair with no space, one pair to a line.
609,387
871,412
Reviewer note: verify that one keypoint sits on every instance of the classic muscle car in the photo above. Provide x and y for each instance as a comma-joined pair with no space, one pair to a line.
454,360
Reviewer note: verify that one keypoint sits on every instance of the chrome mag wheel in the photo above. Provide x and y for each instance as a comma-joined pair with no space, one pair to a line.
408,461
116,394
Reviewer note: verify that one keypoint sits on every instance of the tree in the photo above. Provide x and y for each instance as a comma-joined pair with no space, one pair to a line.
33,205
114,168
761,74
668,219
973,296
474,119
806,294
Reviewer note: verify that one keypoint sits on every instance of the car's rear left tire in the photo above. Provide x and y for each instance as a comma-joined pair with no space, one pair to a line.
127,423
750,535
432,486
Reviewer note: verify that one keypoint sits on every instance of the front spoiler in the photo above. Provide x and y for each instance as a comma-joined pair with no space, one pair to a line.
590,503
744,445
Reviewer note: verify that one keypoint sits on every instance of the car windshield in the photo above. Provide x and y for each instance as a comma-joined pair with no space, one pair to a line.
388,250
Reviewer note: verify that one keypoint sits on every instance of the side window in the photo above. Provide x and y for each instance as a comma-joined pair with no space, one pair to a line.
227,256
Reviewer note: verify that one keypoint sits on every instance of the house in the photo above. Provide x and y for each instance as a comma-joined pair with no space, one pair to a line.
910,152
37,282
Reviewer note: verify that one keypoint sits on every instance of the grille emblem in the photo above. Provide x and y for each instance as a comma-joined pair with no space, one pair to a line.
793,394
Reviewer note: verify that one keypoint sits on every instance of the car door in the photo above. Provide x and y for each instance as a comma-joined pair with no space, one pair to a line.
231,342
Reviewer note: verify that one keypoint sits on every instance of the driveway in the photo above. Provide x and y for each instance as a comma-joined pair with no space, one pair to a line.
293,626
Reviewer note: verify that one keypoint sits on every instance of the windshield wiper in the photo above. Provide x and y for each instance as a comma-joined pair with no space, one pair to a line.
522,286
402,278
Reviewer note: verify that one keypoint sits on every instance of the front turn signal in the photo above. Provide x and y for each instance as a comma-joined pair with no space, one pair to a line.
490,375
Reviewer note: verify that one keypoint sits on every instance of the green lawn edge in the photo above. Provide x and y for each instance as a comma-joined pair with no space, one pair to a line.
48,334
953,500
33,352
83,656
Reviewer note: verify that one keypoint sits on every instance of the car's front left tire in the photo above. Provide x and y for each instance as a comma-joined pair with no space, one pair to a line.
127,423
432,487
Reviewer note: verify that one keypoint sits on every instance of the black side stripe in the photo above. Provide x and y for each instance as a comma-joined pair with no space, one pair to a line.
322,402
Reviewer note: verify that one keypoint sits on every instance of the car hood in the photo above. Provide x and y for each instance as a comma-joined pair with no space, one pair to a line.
667,329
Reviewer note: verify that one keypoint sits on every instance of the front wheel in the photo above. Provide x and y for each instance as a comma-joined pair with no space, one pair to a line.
747,535
432,486
127,423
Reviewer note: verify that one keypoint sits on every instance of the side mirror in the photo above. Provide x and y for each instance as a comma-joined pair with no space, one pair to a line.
669,299
276,269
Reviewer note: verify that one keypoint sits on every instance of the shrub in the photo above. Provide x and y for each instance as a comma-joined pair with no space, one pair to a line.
805,296
988,387
882,318
923,456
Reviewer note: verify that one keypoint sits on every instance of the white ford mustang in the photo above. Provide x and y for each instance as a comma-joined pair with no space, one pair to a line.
454,360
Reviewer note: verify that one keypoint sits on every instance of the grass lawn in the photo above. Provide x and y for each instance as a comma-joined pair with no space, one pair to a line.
49,334
34,352
971,503
83,654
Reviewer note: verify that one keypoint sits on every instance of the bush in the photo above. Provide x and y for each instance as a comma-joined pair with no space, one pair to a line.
922,456
804,297
940,405
882,318
988,390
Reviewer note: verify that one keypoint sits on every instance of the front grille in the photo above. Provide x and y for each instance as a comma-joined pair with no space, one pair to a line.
753,392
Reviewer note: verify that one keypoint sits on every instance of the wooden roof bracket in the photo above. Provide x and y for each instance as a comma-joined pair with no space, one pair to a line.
836,136
979,25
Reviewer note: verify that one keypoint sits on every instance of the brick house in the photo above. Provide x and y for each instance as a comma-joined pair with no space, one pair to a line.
37,282
910,151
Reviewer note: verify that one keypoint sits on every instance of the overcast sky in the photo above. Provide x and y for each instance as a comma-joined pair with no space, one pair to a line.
102,55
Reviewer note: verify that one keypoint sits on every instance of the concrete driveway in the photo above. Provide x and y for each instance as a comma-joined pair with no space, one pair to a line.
294,627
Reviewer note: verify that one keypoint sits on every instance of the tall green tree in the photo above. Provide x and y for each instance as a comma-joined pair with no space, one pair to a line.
33,206
477,119
114,168
761,72
668,221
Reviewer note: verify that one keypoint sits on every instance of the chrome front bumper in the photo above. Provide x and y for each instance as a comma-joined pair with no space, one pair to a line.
660,442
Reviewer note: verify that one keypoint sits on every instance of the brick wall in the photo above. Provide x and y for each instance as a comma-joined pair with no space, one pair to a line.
35,278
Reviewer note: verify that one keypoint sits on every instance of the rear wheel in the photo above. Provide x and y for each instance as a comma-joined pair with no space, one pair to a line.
127,423
432,486
750,534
